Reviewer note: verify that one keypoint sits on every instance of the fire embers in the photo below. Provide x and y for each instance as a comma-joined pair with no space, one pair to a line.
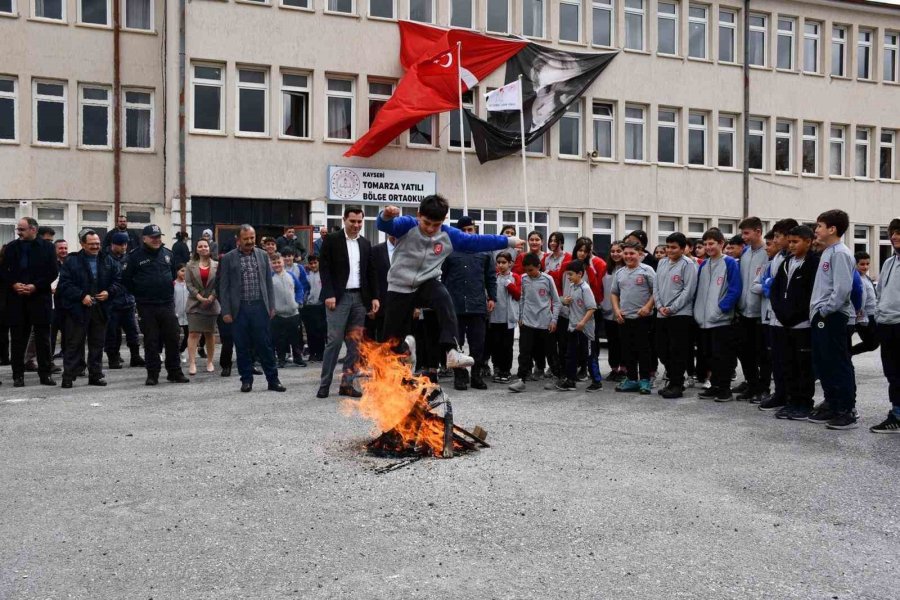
405,409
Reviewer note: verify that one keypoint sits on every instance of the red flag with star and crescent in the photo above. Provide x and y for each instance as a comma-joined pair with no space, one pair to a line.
431,84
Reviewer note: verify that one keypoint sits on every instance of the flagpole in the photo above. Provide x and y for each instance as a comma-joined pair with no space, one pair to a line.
524,172
462,131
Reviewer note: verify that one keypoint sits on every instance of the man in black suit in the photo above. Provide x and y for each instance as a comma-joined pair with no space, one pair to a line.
381,254
350,289
29,268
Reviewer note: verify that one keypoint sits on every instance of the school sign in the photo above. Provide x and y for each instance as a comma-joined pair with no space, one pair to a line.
358,184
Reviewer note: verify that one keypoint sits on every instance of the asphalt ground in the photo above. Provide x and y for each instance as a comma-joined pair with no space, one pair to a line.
199,491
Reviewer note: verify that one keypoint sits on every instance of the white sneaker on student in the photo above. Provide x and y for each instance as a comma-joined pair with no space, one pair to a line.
458,360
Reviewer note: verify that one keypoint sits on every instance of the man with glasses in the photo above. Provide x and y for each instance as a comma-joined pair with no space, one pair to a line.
29,268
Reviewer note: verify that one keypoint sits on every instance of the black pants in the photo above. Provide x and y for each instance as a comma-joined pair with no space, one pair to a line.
399,312
530,339
121,319
226,353
701,368
889,336
637,354
501,337
751,352
831,361
868,335
160,328
58,328
92,330
313,316
613,343
672,341
375,327
184,337
428,351
4,333
717,347
284,334
27,316
800,383
777,348
558,346
471,331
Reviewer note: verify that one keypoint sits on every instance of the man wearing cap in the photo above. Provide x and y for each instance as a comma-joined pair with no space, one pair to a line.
121,314
471,279
148,274
121,227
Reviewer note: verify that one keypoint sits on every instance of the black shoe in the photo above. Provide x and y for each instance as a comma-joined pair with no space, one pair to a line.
47,380
773,403
152,379
277,387
724,395
226,371
843,420
350,391
98,381
746,396
566,385
759,398
783,412
595,386
709,394
322,393
889,425
66,383
31,367
581,375
19,381
246,386
672,392
257,371
478,384
137,361
798,413
821,414
115,362
300,363
740,389
177,377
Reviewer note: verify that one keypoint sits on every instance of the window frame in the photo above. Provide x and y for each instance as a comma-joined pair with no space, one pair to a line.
731,131
701,21
370,15
600,230
733,27
308,90
704,128
843,43
57,224
608,7
869,46
673,17
543,32
432,10
894,49
354,9
509,14
816,39
379,97
579,25
471,104
573,111
639,12
13,10
761,133
764,29
79,9
124,10
435,142
892,147
36,98
220,83
64,16
136,106
82,103
14,96
611,119
662,234
789,136
244,85
867,144
805,138
792,36
634,121
353,108
837,141
472,15
673,125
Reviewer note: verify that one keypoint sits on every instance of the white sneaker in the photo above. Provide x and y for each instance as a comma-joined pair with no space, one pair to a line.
517,386
706,384
458,360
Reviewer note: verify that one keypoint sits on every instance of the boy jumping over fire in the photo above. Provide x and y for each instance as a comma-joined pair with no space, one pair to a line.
414,279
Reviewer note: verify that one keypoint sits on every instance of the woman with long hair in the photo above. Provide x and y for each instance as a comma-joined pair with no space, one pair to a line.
202,306
535,245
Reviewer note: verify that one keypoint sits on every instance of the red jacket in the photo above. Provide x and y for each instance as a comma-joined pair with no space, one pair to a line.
595,271
567,258
515,286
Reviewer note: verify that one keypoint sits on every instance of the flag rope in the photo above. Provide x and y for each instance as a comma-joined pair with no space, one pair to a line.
524,171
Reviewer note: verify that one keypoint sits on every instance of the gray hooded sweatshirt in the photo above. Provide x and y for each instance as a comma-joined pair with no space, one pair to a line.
833,283
539,304
888,307
753,263
676,284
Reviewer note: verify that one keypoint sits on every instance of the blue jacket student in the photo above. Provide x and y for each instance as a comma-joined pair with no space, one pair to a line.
718,291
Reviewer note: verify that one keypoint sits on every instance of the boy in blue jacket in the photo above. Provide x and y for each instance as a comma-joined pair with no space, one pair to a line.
718,291
414,280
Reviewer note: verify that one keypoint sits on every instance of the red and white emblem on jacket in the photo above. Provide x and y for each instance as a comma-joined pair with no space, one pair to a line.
580,303
542,292
438,248
758,271
720,281
826,266
639,280
676,278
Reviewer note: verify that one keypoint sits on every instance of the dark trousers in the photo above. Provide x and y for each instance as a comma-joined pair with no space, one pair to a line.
868,335
637,354
58,328
27,317
889,336
313,316
285,334
471,331
751,352
831,361
613,343
250,331
4,334
672,335
184,336
702,365
800,383
717,347
776,346
77,332
558,346
226,353
530,339
297,341
375,327
501,337
121,319
580,349
428,350
399,312
160,328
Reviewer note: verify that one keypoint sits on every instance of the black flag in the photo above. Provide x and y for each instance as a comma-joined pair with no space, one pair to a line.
551,81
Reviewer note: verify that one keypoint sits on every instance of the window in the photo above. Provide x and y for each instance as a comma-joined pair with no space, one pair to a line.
50,113
811,46
468,99
298,4
50,9
422,133
839,51
727,136
341,6
603,233
783,146
252,101
7,7
885,249
757,143
862,151
667,132
570,224
536,146
95,12
383,9
533,18
461,13
497,16
379,93
697,138
8,106
421,11
634,24
698,228
758,35
886,154
493,220
667,28
570,20
8,224
634,223
604,24
603,129
295,105
697,19
860,238
786,44
665,226
95,122
138,119
891,54
570,131
836,150
339,115
96,219
727,35
138,14
207,106
810,149
55,218
634,133
864,54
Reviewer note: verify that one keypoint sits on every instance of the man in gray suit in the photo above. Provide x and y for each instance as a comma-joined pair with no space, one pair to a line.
245,288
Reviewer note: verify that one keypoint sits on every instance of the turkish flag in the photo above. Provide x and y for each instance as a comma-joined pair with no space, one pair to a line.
431,83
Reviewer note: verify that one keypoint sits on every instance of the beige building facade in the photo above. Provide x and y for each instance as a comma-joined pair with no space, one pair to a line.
277,91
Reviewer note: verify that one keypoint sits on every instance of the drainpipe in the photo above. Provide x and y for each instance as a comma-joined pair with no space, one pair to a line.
182,179
746,174
117,110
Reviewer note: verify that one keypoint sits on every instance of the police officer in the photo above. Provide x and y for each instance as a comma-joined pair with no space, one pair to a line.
121,313
148,274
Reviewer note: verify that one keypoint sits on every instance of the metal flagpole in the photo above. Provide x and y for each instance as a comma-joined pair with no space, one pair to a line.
462,131
524,172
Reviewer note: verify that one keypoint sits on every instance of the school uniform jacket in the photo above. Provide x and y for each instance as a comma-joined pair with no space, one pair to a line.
718,291
888,308
790,294
676,284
